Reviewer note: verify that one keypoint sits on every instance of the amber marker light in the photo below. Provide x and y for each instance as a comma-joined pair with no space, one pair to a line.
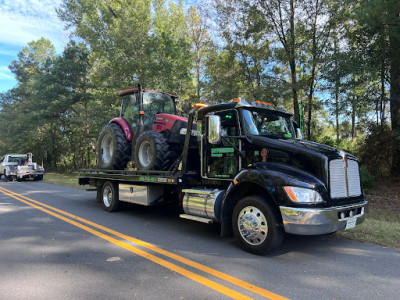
290,193
199,105
303,195
261,102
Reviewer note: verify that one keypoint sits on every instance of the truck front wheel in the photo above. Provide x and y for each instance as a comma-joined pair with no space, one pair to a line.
255,225
110,197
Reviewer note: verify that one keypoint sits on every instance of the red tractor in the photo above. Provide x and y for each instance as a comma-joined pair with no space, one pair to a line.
148,131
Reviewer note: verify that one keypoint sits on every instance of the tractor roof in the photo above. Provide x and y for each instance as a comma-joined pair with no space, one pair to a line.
135,90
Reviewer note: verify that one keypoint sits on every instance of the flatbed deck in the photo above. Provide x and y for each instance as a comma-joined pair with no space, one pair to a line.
132,176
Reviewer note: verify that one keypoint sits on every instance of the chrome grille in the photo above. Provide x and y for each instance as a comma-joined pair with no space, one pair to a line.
353,176
344,181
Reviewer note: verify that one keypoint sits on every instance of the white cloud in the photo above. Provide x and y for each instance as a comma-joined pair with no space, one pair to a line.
22,21
5,73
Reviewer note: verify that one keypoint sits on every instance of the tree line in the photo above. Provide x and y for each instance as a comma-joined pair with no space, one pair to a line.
334,63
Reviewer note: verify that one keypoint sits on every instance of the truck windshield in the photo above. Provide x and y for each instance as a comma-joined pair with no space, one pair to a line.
267,122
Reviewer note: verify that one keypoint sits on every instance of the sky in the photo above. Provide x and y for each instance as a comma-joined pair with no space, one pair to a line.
23,21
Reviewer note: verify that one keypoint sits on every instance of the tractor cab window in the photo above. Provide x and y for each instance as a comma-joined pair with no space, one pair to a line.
153,103
129,111
157,103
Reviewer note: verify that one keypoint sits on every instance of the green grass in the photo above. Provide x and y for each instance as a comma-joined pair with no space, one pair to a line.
380,227
70,180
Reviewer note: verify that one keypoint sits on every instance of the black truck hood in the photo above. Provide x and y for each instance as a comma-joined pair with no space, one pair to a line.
309,157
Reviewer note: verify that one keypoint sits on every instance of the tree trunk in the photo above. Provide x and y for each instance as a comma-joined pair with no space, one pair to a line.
337,110
394,40
382,100
292,62
314,64
353,116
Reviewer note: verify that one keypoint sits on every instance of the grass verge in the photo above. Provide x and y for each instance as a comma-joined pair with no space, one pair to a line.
380,227
70,180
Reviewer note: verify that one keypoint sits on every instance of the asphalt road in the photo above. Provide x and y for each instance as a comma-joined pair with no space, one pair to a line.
57,243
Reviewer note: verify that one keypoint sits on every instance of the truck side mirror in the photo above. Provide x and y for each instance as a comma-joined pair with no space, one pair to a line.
299,134
132,99
214,129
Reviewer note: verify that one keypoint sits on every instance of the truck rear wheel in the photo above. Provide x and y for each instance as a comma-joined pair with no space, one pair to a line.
110,199
255,225
114,149
152,152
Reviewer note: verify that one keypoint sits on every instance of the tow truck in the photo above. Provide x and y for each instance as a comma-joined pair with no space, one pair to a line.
245,166
20,167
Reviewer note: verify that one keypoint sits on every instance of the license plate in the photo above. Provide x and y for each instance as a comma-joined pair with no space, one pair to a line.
351,223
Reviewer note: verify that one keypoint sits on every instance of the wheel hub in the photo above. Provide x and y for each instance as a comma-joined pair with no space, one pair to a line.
145,154
252,225
107,148
107,196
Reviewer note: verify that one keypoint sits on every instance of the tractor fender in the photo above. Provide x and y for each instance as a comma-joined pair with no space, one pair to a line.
125,127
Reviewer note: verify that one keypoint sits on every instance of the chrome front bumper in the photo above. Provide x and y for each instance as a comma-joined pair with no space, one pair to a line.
314,221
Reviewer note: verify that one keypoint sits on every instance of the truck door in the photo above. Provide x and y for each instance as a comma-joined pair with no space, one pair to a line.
221,160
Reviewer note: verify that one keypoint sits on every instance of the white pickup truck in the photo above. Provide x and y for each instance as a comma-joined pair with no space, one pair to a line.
20,167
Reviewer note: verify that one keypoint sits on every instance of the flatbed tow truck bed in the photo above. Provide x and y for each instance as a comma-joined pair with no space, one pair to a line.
89,176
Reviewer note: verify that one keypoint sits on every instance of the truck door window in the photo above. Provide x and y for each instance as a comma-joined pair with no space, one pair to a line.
223,161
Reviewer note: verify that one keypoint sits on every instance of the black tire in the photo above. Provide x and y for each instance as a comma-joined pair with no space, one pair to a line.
256,226
152,152
114,150
38,177
110,198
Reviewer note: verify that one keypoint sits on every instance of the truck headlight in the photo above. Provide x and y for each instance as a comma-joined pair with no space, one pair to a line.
303,195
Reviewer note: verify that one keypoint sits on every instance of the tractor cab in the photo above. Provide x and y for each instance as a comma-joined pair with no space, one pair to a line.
148,132
150,103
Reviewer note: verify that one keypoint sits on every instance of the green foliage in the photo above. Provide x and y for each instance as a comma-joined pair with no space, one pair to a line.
43,116
376,151
367,180
337,61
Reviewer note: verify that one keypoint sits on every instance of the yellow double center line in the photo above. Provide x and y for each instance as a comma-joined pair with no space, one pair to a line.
72,219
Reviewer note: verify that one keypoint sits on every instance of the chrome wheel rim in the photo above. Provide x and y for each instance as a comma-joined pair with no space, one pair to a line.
107,196
252,225
107,148
145,154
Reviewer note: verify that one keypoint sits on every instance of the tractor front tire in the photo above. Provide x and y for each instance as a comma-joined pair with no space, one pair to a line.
152,152
114,149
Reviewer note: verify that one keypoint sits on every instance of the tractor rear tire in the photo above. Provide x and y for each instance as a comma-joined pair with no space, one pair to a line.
152,152
114,149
